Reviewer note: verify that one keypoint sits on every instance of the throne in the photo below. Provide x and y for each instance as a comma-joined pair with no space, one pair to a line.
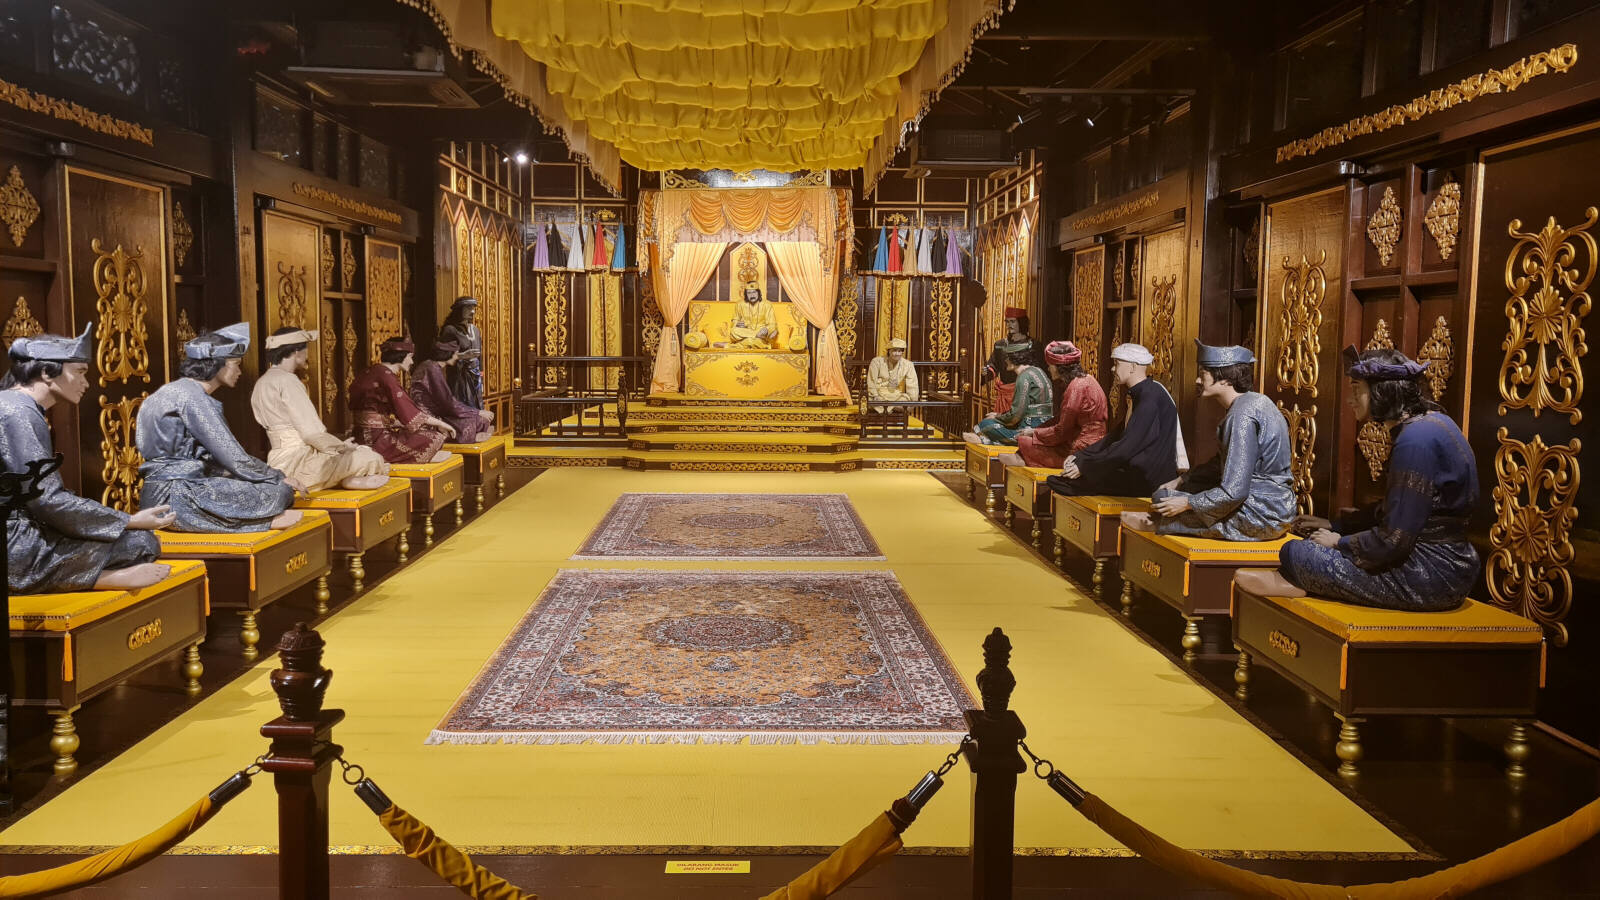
713,368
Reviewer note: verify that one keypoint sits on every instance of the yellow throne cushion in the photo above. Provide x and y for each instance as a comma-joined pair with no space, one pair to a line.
714,318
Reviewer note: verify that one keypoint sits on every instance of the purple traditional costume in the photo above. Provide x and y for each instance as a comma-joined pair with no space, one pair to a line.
431,392
386,420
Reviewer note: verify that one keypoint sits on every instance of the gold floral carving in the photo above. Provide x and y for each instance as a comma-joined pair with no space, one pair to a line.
1535,506
1374,439
22,323
555,324
1441,351
845,312
182,233
291,295
120,467
119,285
1125,208
1300,319
383,299
327,261
347,249
1443,219
1119,272
941,307
330,353
1088,294
650,321
1383,229
67,111
1494,81
1548,274
1163,319
1303,447
352,343
1252,251
183,331
18,208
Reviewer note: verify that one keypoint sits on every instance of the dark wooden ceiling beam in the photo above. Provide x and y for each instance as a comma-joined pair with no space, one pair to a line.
1148,20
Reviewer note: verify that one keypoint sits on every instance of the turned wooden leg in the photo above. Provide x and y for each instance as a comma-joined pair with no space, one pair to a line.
1036,535
1349,747
988,502
358,572
1011,516
1517,749
1127,597
192,669
427,531
500,485
1055,549
1099,576
249,635
64,742
479,497
1191,638
972,491
1241,677
323,595
461,512
402,544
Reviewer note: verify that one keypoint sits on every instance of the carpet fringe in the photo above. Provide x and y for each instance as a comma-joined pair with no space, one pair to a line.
690,737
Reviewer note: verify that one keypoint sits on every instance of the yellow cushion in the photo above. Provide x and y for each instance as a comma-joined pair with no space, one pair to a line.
425,470
241,543
797,342
695,340
1471,623
1209,550
483,446
1105,505
64,612
990,450
343,499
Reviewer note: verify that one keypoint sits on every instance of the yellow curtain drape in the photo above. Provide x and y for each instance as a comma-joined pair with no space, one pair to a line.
813,291
677,282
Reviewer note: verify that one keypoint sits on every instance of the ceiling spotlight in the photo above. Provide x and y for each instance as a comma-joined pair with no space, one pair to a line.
505,159
1089,121
522,157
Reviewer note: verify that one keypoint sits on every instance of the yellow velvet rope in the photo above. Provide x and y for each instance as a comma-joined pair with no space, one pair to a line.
450,864
1507,862
876,843
112,862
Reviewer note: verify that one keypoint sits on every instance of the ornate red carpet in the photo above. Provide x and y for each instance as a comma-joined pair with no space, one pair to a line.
731,526
615,657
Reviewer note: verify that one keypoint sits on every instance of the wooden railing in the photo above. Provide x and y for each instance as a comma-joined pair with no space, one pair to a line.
564,404
938,417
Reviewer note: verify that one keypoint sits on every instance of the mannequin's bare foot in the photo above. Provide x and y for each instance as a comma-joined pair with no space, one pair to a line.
441,456
1265,583
1011,459
131,578
1138,521
364,482
484,436
971,437
286,518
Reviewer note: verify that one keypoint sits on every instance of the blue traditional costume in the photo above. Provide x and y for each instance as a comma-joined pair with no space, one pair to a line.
192,461
1246,493
1408,551
58,541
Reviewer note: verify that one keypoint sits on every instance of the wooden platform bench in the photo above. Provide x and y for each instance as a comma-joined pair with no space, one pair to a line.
1093,524
483,462
66,648
1192,575
985,473
251,569
433,487
364,519
1026,492
1477,660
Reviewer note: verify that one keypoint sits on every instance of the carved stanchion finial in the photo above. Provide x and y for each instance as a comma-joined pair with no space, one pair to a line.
301,760
302,682
995,682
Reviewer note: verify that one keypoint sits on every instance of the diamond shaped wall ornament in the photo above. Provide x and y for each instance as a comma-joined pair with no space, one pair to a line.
18,208
1383,229
1443,219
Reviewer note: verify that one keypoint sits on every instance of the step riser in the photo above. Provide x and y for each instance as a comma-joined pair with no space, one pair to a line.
814,403
691,446
704,428
752,417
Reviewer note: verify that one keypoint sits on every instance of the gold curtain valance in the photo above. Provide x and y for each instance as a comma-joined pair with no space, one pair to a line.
810,214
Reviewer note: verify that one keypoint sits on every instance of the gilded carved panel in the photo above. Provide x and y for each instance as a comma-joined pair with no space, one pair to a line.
1548,273
1161,284
554,294
1443,218
291,257
941,340
1303,442
119,453
1531,538
385,318
1374,440
1088,304
18,207
1440,350
122,334
21,323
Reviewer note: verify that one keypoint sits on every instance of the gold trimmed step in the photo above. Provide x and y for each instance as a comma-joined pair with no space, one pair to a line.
744,443
813,401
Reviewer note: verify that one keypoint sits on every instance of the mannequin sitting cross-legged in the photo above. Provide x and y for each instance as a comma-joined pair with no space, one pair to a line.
302,448
386,418
431,392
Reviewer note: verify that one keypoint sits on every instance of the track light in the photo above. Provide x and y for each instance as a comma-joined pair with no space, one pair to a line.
1089,121
521,157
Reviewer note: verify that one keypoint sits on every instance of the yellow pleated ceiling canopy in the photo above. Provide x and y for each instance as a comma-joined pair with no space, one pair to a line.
721,84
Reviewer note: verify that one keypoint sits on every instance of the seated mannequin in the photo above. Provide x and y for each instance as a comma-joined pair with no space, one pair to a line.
59,541
755,325
1030,403
1246,493
387,420
1016,323
430,392
892,377
1080,418
465,377
1145,453
302,448
191,459
1408,551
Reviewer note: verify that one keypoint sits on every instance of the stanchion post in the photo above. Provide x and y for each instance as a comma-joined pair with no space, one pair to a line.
301,762
995,764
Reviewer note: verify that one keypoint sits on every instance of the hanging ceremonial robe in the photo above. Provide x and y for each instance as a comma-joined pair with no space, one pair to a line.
558,247
880,262
541,251
894,250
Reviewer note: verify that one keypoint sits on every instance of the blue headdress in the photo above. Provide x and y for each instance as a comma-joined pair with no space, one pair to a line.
49,348
237,341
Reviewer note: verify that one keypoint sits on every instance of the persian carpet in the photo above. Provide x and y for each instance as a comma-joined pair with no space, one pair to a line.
731,526
718,657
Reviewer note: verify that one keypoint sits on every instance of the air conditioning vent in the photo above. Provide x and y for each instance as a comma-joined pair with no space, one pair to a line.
376,64
960,151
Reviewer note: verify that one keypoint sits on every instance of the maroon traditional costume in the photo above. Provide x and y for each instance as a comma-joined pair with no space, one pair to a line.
1080,420
386,420
431,392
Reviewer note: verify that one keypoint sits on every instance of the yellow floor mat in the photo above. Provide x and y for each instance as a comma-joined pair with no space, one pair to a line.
1112,712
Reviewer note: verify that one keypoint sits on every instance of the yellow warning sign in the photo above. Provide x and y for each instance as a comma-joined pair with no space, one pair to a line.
708,867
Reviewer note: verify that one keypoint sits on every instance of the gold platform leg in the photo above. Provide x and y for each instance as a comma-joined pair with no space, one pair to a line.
479,497
1099,576
1241,677
64,742
323,595
427,531
988,502
1011,516
249,635
192,669
1349,747
1517,749
358,572
1036,534
1055,549
500,485
1127,597
461,512
972,491
1191,638
402,544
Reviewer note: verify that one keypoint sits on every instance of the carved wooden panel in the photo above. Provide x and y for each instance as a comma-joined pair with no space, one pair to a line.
291,265
1161,287
385,317
117,275
1088,306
